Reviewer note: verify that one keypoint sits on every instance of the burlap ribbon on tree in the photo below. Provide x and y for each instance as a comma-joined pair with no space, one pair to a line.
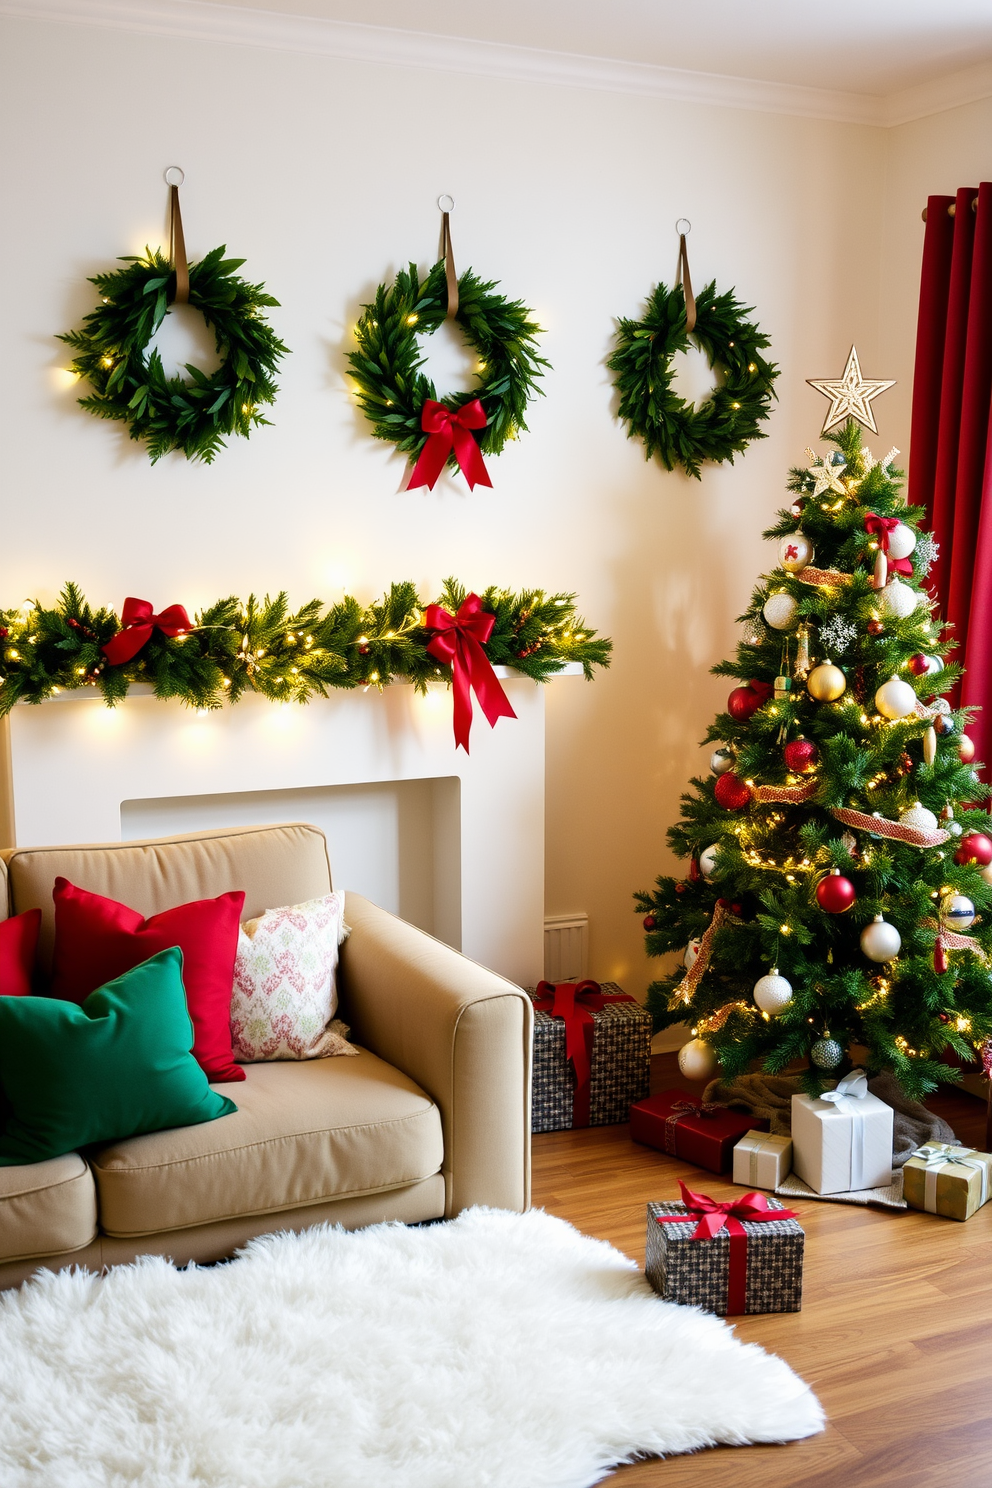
822,577
880,826
722,915
790,795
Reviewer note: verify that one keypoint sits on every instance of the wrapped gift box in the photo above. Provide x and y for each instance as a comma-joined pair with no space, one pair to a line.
615,1033
679,1124
751,1264
762,1161
947,1180
842,1141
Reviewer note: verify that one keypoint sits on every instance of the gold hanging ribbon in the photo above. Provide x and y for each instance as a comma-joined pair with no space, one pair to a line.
682,274
722,915
445,251
177,248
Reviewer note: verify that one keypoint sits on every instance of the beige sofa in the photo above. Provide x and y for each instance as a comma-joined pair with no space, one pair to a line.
432,1116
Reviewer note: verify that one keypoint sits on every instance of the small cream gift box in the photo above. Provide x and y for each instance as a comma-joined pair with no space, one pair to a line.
762,1161
843,1140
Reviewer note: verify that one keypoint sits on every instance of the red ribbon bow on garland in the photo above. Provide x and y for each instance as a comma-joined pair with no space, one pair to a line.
459,643
713,1217
880,527
449,430
575,1003
137,624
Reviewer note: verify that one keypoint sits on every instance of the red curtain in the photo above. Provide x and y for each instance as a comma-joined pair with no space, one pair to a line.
950,470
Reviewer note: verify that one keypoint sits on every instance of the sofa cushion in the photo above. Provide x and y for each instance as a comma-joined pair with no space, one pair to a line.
46,1208
18,946
304,1132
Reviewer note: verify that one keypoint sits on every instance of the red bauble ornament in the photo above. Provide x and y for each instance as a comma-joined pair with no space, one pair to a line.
875,627
974,847
939,957
835,894
801,755
731,792
649,922
694,873
745,701
680,888
918,665
966,749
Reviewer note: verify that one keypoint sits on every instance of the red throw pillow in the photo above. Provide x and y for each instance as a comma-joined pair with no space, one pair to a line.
18,944
97,939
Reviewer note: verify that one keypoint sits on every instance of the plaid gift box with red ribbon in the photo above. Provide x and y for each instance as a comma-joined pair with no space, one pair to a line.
745,1255
683,1126
592,1054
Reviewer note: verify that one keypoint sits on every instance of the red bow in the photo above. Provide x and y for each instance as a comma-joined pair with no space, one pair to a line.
449,430
880,527
137,624
763,689
681,1111
713,1217
459,642
575,1003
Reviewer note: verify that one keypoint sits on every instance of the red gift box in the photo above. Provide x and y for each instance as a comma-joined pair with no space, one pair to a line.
682,1126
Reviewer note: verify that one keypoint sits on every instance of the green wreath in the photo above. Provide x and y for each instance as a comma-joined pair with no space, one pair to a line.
131,386
392,390
727,422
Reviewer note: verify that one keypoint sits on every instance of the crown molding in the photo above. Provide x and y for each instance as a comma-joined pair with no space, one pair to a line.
953,90
204,21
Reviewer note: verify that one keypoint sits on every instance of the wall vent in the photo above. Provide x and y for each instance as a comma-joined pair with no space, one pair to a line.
566,947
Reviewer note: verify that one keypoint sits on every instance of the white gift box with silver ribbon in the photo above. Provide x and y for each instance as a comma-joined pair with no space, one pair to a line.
762,1161
842,1140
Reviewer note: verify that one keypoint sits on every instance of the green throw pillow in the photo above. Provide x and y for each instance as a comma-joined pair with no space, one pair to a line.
117,1065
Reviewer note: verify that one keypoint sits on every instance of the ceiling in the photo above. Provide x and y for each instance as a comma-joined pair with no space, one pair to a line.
874,47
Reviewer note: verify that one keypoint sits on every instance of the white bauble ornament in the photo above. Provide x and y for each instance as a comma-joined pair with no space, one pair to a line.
919,817
987,873
902,541
880,941
898,599
957,912
934,665
826,1053
795,552
923,600
709,862
697,1060
895,698
721,760
780,611
772,993
690,953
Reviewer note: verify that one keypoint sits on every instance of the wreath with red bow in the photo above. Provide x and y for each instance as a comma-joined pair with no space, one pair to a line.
402,404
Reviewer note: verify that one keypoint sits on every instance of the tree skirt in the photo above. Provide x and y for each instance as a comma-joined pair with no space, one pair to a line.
500,1349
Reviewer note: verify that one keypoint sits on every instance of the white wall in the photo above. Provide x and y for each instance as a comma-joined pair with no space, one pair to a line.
323,174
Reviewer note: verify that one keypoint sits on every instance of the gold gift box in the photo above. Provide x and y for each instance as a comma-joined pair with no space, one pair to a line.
947,1180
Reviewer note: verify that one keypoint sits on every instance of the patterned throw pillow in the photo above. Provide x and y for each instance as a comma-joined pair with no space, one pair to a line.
285,993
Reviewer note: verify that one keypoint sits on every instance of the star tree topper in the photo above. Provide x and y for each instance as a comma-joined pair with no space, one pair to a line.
850,396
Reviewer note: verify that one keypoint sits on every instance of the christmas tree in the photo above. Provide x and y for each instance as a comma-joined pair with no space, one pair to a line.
837,852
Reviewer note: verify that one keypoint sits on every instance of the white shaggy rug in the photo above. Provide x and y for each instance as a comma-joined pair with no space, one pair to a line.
498,1351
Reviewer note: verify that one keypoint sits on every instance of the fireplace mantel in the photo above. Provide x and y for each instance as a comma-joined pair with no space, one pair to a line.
73,771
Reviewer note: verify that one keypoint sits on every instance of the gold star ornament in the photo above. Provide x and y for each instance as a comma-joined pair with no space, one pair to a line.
850,396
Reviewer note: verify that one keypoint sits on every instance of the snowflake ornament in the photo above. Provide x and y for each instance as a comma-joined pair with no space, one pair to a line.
837,634
926,552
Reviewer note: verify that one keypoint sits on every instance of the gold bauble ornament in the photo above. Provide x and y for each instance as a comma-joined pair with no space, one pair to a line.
826,682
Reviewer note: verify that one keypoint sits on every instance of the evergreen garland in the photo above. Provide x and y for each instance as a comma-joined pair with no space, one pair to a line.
132,388
286,655
905,1012
727,422
386,366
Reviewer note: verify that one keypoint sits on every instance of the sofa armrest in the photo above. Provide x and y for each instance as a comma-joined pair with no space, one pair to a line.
462,1032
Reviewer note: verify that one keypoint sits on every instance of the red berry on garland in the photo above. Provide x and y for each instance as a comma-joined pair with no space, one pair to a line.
680,888
974,847
4,632
835,894
731,792
966,749
801,755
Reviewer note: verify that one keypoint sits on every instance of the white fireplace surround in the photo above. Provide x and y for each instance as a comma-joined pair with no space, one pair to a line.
453,843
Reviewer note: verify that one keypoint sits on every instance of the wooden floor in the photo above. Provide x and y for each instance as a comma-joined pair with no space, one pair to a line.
895,1334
